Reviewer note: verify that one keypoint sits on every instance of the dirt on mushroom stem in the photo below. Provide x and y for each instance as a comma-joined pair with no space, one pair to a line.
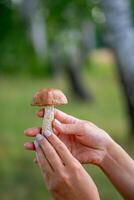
47,120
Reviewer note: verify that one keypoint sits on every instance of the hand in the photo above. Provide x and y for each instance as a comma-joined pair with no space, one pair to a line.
86,142
90,144
64,176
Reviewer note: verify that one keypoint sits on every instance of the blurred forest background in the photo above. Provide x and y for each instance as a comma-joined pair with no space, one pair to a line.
85,48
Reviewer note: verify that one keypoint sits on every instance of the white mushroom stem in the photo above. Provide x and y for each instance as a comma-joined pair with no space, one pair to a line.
47,120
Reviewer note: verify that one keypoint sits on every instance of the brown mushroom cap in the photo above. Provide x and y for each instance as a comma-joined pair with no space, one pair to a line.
48,97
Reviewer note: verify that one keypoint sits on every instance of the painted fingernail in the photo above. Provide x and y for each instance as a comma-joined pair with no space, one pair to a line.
28,131
57,123
25,131
26,145
48,133
39,137
36,144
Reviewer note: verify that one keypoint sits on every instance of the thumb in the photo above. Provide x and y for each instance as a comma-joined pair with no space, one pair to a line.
71,129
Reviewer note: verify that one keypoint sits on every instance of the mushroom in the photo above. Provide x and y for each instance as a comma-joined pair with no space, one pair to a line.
48,98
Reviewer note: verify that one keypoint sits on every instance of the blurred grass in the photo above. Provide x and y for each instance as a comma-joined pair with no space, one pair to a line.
20,179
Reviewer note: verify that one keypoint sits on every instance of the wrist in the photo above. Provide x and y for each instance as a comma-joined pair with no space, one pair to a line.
109,155
119,168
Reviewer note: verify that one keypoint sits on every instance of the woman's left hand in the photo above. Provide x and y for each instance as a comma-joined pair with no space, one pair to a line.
64,176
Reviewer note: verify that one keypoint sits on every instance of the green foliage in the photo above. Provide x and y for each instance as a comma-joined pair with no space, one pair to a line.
132,5
64,12
5,22
16,52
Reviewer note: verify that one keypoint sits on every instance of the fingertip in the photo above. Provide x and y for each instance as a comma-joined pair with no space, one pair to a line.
29,131
25,132
40,113
29,146
56,123
24,145
32,132
57,126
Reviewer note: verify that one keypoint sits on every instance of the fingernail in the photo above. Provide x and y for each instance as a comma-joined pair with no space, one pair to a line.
57,123
28,131
36,144
25,131
38,113
26,145
39,137
47,133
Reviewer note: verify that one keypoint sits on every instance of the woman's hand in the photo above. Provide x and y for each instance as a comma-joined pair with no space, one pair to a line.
64,176
86,142
90,144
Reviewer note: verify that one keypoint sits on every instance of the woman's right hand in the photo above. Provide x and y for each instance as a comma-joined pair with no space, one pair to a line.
87,142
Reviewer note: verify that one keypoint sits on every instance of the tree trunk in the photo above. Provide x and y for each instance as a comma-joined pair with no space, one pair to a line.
121,38
76,58
128,87
32,14
77,84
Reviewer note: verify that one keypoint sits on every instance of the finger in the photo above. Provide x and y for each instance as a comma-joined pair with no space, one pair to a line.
29,146
32,132
70,129
50,153
64,118
59,115
42,161
61,149
55,132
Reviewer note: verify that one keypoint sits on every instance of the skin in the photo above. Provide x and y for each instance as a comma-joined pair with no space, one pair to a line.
64,176
90,144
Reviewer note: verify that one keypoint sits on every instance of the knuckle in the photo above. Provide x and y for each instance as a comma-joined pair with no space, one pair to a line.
63,176
63,179
49,152
59,182
86,126
76,167
60,146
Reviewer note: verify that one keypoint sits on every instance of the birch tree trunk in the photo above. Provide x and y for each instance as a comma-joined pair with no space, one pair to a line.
32,13
121,38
